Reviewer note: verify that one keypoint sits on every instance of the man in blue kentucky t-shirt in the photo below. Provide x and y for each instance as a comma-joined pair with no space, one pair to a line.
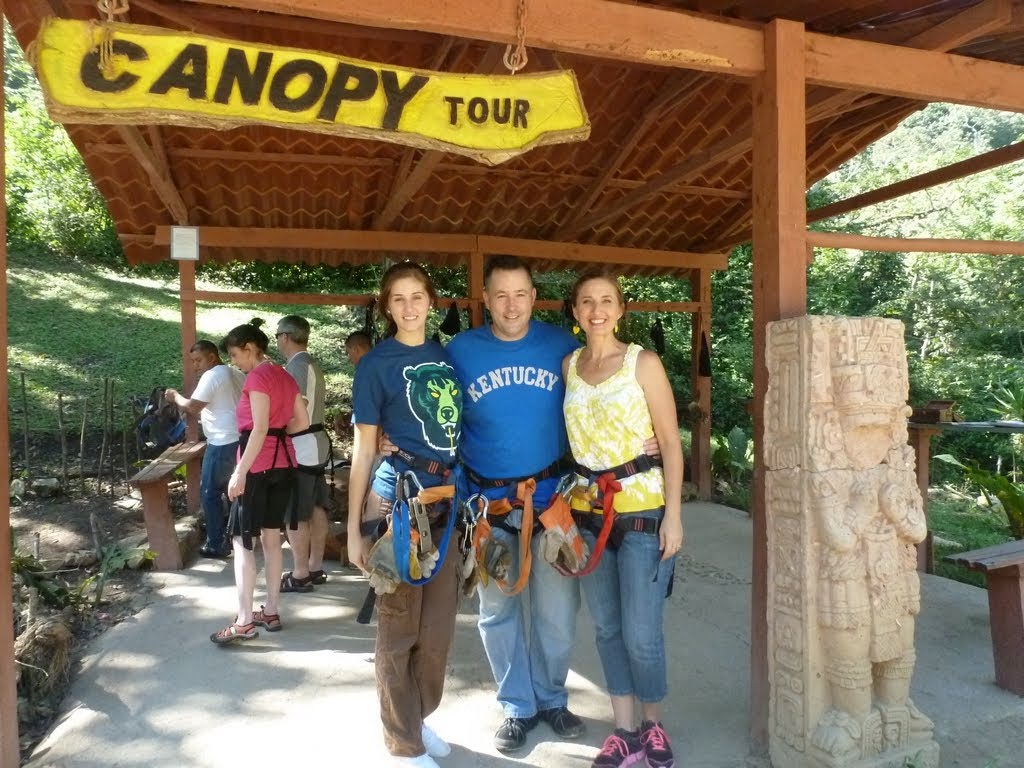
513,428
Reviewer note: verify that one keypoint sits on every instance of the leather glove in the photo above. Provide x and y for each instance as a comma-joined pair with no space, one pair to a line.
496,559
561,542
428,563
469,573
382,584
381,564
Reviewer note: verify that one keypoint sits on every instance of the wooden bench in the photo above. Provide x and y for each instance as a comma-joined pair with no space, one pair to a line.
1003,565
152,481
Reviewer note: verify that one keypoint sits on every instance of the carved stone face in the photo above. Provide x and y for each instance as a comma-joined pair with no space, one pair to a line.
870,401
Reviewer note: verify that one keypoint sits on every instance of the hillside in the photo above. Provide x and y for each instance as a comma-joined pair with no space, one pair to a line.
72,325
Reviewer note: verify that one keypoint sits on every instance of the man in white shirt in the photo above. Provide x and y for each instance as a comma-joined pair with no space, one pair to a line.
307,512
214,402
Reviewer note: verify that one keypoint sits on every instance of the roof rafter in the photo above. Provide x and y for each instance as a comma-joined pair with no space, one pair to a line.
152,164
820,239
662,103
409,180
975,22
741,139
997,157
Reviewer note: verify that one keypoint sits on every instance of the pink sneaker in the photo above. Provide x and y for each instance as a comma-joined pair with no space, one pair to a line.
656,745
620,749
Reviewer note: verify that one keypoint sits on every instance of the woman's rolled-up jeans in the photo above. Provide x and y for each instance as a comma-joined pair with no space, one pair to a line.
626,597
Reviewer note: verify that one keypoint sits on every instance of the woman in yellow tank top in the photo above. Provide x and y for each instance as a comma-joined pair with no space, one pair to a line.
615,394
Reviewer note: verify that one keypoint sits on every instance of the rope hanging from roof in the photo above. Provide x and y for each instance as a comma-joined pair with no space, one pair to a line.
109,11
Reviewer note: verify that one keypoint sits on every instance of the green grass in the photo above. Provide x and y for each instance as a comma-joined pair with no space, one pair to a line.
957,518
71,326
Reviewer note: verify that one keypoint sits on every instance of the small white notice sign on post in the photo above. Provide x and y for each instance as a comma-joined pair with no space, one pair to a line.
185,243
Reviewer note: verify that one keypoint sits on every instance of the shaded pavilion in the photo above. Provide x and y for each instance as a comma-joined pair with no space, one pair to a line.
710,119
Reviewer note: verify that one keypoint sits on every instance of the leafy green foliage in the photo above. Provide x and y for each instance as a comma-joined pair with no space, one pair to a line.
960,525
51,200
114,558
999,487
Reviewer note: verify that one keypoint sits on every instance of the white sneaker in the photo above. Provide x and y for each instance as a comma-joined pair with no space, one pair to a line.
423,761
434,744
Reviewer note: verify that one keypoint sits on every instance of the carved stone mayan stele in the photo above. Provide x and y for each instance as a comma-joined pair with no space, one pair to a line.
843,514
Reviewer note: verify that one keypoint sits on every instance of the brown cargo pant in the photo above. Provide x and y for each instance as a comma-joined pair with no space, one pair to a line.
415,627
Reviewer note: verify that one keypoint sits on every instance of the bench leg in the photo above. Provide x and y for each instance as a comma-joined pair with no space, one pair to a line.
1006,616
193,472
156,510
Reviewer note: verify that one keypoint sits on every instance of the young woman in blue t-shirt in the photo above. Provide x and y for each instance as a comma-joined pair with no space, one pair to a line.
405,387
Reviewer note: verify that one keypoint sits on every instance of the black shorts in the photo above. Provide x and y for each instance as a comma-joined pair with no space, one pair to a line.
309,491
263,504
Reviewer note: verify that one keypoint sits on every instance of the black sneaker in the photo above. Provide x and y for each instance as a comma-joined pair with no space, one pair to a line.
563,722
512,733
620,750
656,745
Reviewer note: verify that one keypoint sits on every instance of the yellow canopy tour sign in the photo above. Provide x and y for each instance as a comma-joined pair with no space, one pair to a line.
95,72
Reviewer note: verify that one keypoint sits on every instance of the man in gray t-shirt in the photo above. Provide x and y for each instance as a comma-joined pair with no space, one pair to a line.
307,515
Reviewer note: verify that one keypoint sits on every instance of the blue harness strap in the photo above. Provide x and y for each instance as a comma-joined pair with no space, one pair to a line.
402,532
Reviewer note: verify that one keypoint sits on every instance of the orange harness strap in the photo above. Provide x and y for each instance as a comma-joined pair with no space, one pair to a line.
608,486
524,493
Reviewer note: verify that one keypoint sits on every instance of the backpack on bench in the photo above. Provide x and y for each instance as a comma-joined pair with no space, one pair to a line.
161,425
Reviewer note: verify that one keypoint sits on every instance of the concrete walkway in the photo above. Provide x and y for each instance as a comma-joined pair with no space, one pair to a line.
153,691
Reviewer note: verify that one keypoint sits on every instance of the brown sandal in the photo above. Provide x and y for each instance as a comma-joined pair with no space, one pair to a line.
234,632
269,621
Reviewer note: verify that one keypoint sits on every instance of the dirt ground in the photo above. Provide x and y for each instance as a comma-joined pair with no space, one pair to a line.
59,529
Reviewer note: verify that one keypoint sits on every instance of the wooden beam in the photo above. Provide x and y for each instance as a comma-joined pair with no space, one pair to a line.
425,242
299,299
780,291
475,281
700,386
912,74
186,287
914,244
162,185
970,24
174,14
327,239
546,250
997,157
239,19
652,114
9,744
595,28
685,307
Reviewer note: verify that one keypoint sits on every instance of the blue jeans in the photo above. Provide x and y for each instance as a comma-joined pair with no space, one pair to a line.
626,597
530,676
218,464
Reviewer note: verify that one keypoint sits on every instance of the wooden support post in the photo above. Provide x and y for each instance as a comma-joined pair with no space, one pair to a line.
921,439
780,289
1006,616
187,289
475,279
700,435
8,692
156,510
